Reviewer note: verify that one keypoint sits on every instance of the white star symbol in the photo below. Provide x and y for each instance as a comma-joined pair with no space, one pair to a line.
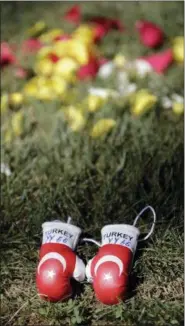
51,274
107,276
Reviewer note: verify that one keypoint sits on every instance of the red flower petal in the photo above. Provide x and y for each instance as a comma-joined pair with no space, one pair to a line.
160,61
103,25
89,70
73,15
31,45
99,32
53,57
150,34
63,37
6,55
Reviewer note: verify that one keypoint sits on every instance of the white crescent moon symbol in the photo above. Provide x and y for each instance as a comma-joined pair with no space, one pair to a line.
52,255
111,258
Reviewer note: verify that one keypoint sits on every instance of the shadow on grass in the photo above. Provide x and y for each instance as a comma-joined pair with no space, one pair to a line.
135,280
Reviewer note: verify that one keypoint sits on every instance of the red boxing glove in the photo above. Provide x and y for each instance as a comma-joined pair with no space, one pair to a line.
110,268
58,263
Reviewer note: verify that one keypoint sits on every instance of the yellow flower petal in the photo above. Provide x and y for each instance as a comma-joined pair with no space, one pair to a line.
142,102
44,67
59,85
178,108
44,51
119,60
37,29
85,34
17,123
4,103
66,68
178,49
62,49
79,51
95,102
16,99
50,35
102,127
30,89
75,118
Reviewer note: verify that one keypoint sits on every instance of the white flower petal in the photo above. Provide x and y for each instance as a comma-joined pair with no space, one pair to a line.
177,98
142,67
166,102
5,169
102,92
106,70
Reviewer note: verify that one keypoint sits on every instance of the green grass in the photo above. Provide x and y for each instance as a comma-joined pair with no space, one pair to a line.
57,173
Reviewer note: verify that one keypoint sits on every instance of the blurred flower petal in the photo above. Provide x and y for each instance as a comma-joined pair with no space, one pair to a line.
178,49
166,102
95,102
178,108
119,60
44,67
73,15
142,67
102,92
66,67
37,29
84,33
16,99
160,61
20,73
63,37
106,70
59,85
88,70
75,118
31,45
5,169
151,35
142,102
103,25
178,104
53,57
6,54
51,35
177,98
102,127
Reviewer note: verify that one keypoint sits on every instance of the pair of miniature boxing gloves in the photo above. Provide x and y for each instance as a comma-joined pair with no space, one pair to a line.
108,271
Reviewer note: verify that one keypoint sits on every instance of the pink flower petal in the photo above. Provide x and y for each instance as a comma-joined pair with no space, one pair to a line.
150,34
160,61
6,55
20,73
31,45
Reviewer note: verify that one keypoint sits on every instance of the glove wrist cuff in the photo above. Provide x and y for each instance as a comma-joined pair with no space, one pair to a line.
121,234
60,232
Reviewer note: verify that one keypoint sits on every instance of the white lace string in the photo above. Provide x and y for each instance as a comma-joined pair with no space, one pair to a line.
153,224
92,240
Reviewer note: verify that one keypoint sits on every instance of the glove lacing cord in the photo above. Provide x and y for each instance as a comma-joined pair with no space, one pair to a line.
93,241
134,224
153,224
